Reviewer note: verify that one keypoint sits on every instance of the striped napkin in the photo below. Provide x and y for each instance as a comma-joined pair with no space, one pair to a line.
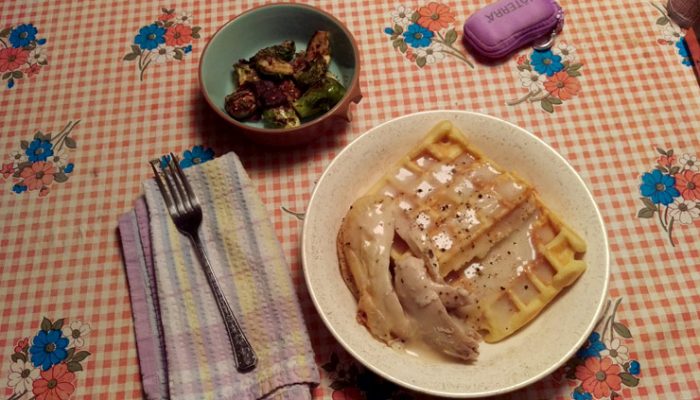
184,352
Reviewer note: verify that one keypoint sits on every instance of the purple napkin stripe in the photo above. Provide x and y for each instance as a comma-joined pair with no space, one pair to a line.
147,343
141,210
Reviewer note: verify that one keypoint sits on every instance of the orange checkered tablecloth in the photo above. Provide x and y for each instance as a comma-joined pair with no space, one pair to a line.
616,97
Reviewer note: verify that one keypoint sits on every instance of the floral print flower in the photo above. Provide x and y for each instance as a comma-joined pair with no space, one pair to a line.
21,344
682,46
23,35
425,34
689,161
532,80
48,349
562,86
22,374
580,395
592,348
634,367
166,16
197,155
670,180
666,161
593,370
38,175
671,34
39,150
402,15
546,62
36,56
18,156
178,35
435,16
32,70
20,51
566,51
684,211
163,54
150,37
659,187
41,161
75,332
19,189
688,184
550,77
12,58
417,36
55,384
169,37
59,158
7,170
599,376
184,18
432,53
45,371
616,350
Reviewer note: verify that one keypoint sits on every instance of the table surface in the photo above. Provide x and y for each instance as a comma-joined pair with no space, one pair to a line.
623,103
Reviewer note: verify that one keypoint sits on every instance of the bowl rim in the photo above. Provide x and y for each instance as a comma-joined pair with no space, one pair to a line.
580,341
354,82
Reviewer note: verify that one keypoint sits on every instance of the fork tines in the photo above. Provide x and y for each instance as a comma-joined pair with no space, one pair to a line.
174,186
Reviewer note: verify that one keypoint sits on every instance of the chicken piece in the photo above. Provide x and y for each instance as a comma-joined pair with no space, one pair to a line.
417,242
364,242
421,300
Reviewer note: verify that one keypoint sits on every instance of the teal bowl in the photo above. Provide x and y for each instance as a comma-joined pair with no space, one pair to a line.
267,25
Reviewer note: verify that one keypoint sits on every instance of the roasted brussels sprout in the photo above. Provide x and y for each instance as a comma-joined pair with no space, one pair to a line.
241,104
271,84
245,73
320,97
319,46
281,117
311,72
274,60
290,90
268,94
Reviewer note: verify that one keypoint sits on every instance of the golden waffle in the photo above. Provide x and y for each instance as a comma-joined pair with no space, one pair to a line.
465,205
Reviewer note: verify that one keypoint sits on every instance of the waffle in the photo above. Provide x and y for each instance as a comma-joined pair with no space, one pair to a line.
467,210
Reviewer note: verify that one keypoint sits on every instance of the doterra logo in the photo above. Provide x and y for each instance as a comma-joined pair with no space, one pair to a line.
510,7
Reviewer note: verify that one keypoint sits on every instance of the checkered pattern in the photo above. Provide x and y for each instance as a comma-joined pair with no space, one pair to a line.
60,256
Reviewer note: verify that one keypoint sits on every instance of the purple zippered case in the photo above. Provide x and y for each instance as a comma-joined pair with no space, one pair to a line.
501,28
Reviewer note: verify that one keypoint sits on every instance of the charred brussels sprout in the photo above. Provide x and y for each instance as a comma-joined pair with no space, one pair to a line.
281,87
281,117
244,73
275,60
241,104
311,72
290,91
319,46
320,98
268,94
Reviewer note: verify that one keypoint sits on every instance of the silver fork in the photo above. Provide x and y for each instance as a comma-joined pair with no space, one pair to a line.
186,213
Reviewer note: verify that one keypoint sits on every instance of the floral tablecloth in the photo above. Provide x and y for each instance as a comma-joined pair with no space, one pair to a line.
90,91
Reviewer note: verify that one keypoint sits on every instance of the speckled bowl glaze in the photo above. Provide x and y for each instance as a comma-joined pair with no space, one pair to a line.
267,25
532,353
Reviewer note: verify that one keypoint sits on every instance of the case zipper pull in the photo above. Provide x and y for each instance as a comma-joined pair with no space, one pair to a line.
549,42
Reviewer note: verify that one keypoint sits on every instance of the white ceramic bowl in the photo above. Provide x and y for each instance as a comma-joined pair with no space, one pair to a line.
532,353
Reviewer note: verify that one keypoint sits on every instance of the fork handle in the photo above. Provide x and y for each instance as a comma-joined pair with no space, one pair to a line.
243,352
